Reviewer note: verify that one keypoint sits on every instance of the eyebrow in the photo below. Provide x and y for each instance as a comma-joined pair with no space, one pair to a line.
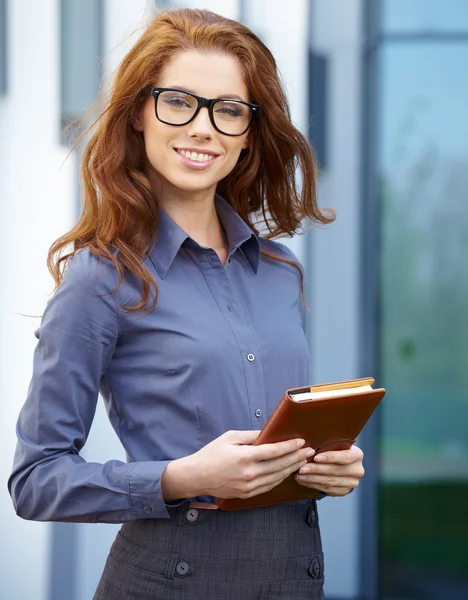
184,89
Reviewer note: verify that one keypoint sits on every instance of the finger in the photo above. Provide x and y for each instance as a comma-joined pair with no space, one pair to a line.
327,482
241,437
332,492
266,482
350,470
340,457
280,468
269,451
294,460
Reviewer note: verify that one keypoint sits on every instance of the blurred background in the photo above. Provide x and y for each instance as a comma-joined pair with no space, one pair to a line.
381,89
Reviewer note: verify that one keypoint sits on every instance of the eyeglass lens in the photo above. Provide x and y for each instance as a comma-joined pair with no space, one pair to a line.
177,108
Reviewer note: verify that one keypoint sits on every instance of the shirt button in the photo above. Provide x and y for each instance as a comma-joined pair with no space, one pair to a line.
192,515
182,568
250,357
148,509
258,413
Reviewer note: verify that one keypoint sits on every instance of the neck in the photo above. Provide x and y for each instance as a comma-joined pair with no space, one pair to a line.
195,213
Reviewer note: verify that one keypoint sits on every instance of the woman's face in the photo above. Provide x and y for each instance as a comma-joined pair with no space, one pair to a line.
210,75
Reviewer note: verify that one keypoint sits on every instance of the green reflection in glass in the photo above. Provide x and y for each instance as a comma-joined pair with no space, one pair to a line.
424,329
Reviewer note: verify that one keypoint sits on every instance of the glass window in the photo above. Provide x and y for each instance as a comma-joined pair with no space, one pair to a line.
3,47
423,188
403,16
81,55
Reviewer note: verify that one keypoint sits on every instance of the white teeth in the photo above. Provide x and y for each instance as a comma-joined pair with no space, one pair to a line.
196,156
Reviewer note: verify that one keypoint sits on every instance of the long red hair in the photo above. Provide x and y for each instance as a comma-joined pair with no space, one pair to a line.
119,215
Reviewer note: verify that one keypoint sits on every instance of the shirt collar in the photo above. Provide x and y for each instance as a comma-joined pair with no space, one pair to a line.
171,237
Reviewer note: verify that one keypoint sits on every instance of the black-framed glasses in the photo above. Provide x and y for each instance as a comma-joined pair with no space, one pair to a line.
178,107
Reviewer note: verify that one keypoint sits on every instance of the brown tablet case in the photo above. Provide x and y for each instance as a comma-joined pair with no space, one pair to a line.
325,424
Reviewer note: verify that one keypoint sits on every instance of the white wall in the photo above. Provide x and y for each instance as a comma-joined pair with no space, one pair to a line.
226,8
36,206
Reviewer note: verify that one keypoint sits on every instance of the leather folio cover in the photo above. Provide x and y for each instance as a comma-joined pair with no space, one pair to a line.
325,424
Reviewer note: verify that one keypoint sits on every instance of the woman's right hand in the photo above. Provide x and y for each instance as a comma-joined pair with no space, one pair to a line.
230,467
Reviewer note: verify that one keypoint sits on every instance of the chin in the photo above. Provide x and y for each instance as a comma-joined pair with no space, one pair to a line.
193,185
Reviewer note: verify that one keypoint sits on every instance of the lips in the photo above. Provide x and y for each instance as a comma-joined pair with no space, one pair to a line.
200,155
196,158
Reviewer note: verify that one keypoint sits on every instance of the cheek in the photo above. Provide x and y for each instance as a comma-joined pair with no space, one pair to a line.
155,150
233,156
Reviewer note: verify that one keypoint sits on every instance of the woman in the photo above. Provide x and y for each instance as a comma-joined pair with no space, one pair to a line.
190,325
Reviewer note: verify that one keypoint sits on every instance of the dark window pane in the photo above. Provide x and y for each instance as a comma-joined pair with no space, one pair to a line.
318,107
418,16
81,55
424,329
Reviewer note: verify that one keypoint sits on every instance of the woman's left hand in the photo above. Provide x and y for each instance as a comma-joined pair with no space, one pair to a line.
335,473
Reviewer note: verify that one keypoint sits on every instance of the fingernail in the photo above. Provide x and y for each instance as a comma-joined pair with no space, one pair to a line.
301,477
309,453
301,464
300,443
320,458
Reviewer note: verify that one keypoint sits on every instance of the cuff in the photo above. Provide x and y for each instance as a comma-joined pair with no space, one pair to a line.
145,494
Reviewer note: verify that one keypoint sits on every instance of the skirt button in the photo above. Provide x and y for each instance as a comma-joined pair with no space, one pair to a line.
182,568
192,515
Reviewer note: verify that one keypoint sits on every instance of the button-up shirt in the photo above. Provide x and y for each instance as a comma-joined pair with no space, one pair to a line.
217,353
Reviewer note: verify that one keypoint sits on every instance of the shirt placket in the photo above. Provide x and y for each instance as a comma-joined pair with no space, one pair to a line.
228,297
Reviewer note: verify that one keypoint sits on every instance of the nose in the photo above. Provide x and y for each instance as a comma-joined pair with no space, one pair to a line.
201,127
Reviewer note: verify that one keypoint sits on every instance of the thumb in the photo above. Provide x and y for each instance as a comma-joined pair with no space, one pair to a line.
243,437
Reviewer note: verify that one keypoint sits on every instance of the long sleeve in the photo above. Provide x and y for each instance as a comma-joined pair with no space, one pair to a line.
50,481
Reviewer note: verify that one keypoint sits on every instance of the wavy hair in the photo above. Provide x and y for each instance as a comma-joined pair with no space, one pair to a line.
273,180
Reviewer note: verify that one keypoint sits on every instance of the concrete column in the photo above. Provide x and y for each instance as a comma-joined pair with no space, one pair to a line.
334,255
283,27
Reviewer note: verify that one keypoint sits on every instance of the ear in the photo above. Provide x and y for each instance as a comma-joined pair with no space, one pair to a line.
137,121
246,143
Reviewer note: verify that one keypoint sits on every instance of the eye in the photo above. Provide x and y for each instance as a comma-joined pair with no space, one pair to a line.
230,109
178,101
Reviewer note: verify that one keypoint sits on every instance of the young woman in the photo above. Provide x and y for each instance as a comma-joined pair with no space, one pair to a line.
189,323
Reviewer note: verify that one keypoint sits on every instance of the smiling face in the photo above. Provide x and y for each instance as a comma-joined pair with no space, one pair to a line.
193,158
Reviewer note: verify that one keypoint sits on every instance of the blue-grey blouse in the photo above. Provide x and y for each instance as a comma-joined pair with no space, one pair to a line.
217,353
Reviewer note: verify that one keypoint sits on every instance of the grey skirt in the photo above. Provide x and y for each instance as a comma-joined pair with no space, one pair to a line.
272,553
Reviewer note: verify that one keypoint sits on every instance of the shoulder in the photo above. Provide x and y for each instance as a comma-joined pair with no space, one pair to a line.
278,249
89,284
88,272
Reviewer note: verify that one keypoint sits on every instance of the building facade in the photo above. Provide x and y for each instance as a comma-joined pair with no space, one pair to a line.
381,89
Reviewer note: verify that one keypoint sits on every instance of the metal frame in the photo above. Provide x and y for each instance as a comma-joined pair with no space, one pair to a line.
369,303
